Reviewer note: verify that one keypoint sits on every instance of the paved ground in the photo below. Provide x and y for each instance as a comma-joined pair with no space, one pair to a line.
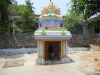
77,66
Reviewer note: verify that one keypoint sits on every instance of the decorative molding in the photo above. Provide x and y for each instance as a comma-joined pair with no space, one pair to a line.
46,39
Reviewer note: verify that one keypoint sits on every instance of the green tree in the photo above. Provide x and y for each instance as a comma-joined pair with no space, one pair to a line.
72,20
13,8
27,17
4,15
87,8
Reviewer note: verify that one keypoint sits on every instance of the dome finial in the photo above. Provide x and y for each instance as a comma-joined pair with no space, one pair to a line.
51,8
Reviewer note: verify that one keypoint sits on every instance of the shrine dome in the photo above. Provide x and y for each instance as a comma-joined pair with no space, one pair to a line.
51,8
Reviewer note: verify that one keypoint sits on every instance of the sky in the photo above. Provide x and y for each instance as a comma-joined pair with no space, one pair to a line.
38,4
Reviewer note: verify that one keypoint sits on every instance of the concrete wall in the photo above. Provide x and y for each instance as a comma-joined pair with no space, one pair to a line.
78,49
19,50
85,30
34,50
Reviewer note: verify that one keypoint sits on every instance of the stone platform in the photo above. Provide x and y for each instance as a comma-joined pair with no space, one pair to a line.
42,61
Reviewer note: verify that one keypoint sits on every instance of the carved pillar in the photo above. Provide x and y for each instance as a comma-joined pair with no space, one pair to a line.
43,50
38,48
62,48
66,48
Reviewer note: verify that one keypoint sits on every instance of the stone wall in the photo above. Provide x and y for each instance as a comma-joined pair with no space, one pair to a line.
27,40
84,40
18,41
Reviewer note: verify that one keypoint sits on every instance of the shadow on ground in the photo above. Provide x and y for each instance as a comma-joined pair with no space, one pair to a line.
94,74
72,61
53,62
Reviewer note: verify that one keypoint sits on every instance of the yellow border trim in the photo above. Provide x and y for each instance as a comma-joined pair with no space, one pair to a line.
62,48
43,49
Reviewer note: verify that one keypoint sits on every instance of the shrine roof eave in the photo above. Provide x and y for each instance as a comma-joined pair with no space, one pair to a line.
53,36
41,19
50,16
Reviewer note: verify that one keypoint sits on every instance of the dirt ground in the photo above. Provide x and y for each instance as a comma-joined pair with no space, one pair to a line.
94,58
82,63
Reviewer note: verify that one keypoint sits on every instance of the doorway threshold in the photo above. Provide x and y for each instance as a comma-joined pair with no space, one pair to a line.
52,62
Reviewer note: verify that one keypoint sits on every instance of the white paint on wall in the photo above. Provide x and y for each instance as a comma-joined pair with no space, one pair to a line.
66,48
19,50
78,49
40,51
34,50
38,48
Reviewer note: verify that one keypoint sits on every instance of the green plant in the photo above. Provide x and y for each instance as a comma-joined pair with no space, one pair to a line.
49,15
63,33
55,15
46,27
43,33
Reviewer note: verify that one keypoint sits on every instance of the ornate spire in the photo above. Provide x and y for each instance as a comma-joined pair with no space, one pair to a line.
51,8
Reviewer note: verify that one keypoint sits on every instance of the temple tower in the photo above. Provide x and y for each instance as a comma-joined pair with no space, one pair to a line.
51,36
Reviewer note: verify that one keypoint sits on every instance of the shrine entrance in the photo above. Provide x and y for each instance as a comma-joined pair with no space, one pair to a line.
52,50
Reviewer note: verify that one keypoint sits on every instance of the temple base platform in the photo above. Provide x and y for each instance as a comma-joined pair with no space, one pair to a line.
41,61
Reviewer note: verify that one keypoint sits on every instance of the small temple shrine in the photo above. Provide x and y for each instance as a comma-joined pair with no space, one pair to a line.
51,36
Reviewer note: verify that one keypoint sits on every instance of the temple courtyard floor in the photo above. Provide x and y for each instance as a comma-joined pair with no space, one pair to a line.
82,63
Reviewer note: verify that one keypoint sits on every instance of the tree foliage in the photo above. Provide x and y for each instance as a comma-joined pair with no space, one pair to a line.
13,8
25,14
87,8
4,15
72,20
27,17
94,24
